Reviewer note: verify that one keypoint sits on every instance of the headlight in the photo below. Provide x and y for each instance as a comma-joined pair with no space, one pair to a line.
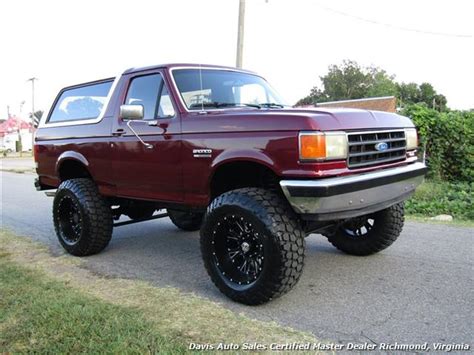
322,146
412,138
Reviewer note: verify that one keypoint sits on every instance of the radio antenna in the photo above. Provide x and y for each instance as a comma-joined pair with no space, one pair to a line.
200,82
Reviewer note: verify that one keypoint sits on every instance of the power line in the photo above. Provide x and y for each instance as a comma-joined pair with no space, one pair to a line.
401,28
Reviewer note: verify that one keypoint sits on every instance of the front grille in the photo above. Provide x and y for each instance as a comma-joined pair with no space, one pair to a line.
362,152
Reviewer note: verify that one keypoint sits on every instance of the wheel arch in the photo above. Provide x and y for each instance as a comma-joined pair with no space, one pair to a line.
71,164
240,170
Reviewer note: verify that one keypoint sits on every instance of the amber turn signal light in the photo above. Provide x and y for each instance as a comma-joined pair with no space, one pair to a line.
323,145
312,146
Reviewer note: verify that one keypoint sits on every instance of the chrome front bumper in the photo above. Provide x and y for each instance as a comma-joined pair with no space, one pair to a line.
353,195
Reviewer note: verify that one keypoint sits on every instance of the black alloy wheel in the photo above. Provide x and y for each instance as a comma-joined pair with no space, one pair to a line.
238,250
69,220
359,227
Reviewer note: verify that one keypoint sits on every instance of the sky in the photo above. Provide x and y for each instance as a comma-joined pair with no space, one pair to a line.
289,42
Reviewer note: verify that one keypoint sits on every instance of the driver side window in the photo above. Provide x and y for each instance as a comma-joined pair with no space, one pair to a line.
150,92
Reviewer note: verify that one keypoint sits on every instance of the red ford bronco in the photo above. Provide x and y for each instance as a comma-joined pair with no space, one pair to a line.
220,151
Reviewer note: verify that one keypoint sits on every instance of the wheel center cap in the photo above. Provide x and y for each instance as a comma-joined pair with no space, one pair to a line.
245,247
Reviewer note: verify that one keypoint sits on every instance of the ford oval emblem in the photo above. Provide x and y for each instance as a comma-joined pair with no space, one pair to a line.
382,146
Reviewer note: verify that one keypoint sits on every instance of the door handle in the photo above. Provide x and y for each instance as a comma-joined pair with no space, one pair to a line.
118,132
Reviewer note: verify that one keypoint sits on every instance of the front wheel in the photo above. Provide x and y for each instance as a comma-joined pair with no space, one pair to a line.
82,217
252,245
369,234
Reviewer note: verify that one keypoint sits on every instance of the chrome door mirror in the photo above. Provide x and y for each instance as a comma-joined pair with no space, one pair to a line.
132,112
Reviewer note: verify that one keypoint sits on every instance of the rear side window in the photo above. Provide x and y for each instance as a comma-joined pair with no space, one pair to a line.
82,103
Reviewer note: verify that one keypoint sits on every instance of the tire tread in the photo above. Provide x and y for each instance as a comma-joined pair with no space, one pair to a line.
389,225
284,227
98,215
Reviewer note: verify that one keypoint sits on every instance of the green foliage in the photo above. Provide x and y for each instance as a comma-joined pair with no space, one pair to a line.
434,197
382,84
413,93
351,81
448,140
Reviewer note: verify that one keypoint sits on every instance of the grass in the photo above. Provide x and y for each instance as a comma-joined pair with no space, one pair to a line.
53,304
19,170
41,315
454,222
17,155
440,197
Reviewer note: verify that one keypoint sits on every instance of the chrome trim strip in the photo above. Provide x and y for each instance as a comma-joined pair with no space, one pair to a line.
44,124
348,179
361,154
380,131
353,144
375,163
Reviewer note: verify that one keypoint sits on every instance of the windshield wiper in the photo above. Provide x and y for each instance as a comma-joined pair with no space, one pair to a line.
222,104
271,104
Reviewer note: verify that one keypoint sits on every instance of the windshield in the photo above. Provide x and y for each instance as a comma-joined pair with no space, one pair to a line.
211,88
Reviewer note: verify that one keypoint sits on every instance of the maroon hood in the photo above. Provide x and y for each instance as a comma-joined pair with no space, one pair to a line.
327,119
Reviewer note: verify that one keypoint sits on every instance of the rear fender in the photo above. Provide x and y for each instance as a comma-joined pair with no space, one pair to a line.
71,155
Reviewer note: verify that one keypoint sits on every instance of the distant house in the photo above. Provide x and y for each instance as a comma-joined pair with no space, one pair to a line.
385,103
9,133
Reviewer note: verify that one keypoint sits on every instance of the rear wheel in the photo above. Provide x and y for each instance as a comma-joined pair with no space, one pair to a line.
140,210
369,234
252,245
186,220
82,217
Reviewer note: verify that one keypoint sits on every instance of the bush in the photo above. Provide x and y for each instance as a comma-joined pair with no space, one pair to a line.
448,139
436,197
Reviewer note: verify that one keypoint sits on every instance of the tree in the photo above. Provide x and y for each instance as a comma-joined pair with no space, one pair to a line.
424,93
427,93
408,93
351,81
440,103
348,81
382,84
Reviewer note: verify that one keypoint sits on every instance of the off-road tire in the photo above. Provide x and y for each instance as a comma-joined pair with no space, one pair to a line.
187,221
387,226
278,230
94,217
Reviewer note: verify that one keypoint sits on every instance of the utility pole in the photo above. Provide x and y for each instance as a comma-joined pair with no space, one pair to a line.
20,146
240,34
32,98
32,111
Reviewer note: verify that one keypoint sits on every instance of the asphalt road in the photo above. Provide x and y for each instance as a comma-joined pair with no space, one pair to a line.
419,290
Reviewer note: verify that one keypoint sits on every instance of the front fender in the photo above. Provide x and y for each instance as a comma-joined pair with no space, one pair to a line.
243,155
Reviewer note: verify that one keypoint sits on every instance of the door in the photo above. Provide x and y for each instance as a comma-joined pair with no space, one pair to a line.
151,171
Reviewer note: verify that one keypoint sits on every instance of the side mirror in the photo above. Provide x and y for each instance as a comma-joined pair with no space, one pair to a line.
132,112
